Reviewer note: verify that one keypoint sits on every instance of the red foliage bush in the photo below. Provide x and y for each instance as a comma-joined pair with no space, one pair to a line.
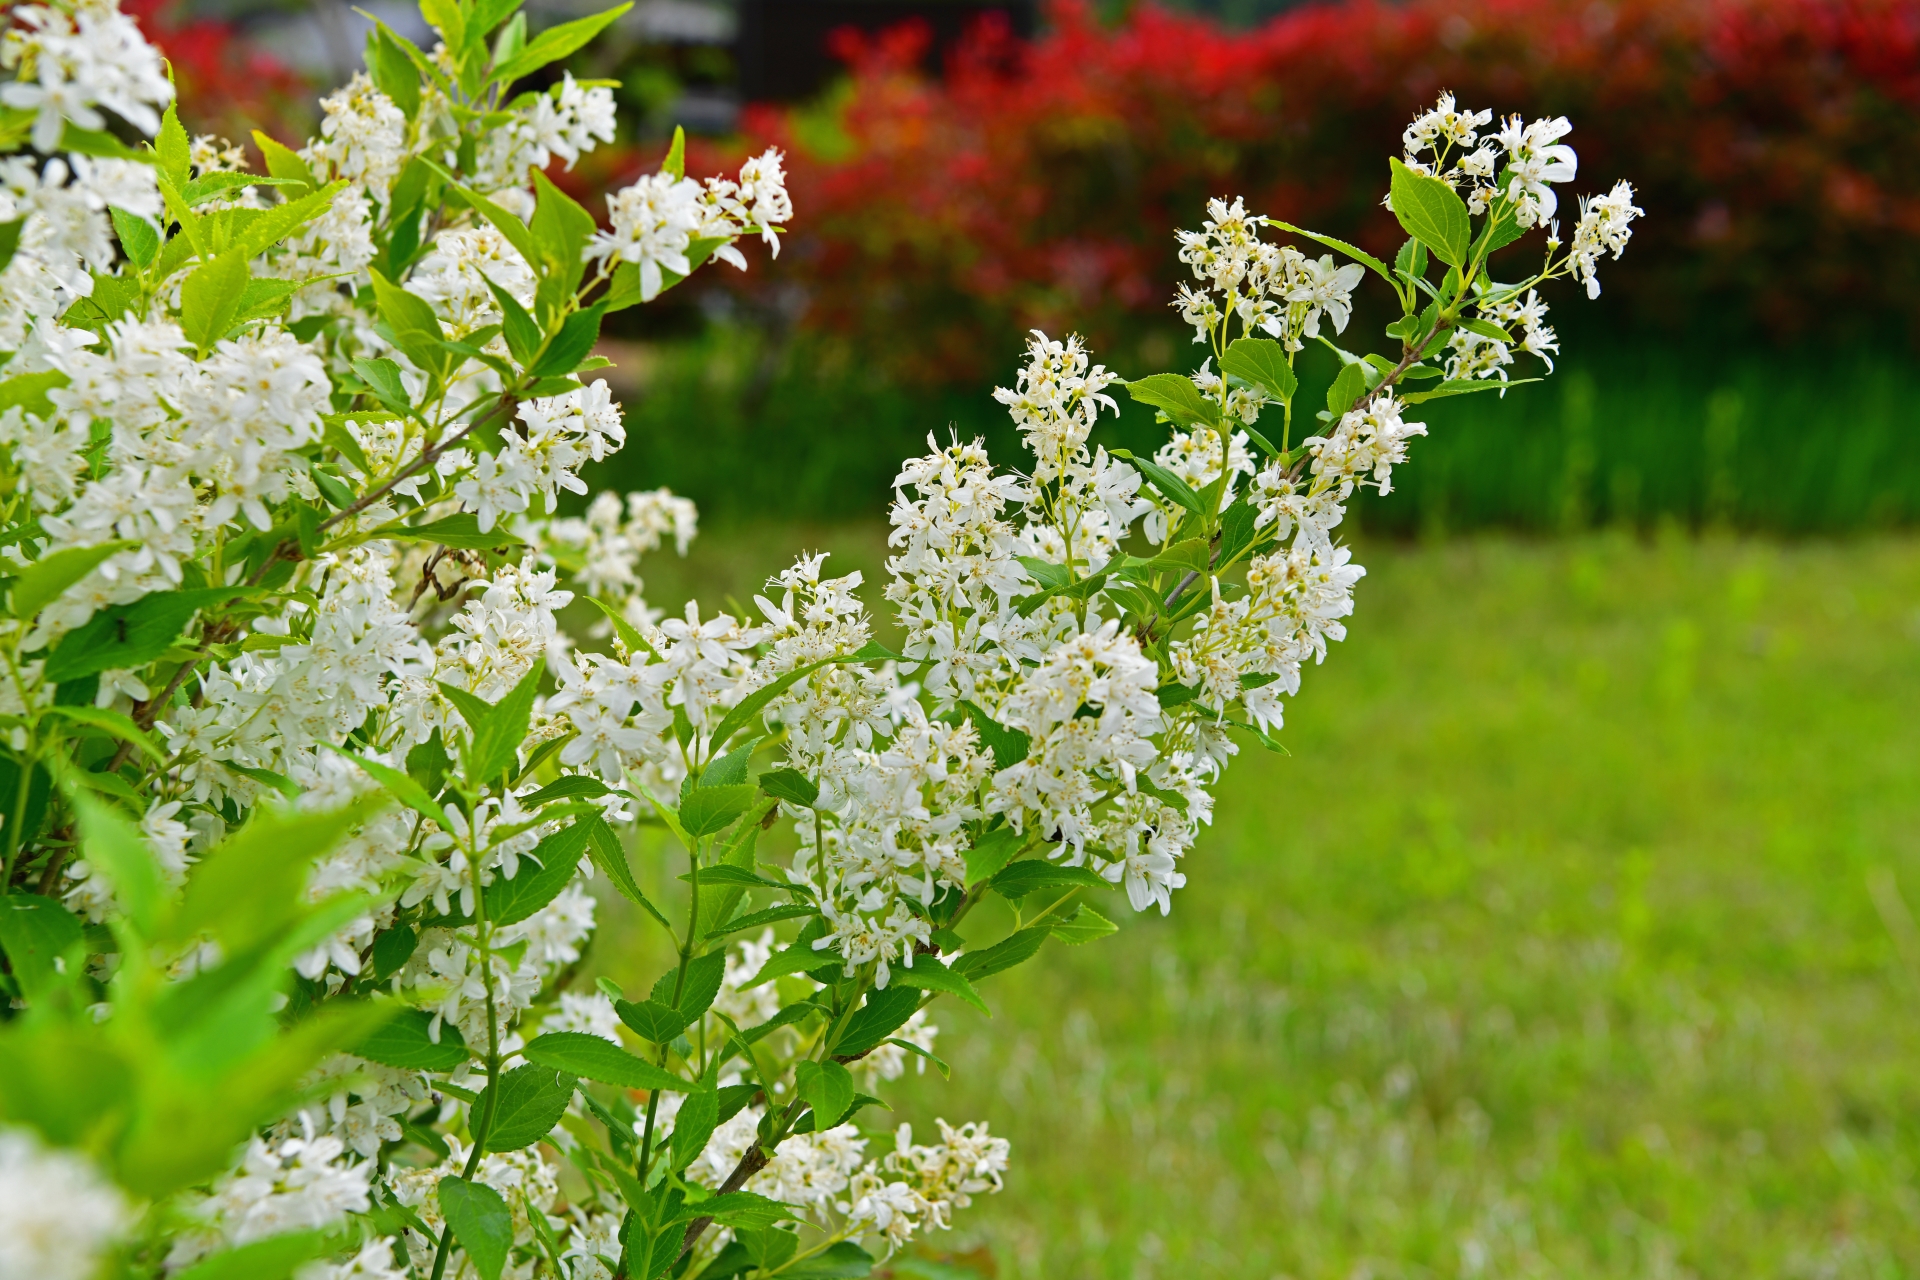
1776,146
228,85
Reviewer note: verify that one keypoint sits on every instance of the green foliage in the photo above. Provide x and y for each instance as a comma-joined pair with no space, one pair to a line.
480,1221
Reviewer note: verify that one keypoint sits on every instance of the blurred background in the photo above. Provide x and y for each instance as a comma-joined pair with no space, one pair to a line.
1573,938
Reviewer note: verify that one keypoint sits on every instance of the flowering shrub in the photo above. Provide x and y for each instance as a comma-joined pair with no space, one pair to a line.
1032,185
307,801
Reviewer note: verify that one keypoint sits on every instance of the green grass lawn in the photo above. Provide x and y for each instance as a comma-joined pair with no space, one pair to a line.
1567,941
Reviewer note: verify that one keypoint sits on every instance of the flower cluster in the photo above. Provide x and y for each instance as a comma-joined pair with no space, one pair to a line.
334,725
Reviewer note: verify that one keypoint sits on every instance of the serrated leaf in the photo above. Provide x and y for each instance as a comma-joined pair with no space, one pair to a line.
138,237
1015,949
1023,878
555,43
827,1087
883,1014
706,810
461,531
1262,362
531,1101
578,1054
604,846
1176,396
928,974
1172,487
538,883
791,786
42,941
651,1020
1463,387
1348,387
480,1221
1009,746
46,579
1431,212
210,298
693,1126
127,637
407,1042
991,852
404,787
1083,926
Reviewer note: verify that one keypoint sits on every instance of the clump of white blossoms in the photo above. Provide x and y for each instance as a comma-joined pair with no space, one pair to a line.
326,724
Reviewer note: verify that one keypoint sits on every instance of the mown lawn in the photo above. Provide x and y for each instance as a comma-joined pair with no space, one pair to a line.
1571,939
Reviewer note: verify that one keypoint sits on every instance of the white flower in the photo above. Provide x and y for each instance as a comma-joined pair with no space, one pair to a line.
1537,158
58,1215
654,221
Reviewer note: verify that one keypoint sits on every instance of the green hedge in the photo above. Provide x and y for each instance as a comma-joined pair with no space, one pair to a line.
1787,441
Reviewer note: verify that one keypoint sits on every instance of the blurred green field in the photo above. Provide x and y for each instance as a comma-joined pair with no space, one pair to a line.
1628,432
1571,939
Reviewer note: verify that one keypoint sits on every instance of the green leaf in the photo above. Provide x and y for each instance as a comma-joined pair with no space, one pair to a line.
1172,487
1083,926
10,240
1352,251
498,728
393,72
129,636
29,391
211,185
522,332
1463,387
1023,878
41,939
250,889
1009,746
281,221
274,1258
843,1261
1431,212
578,333
704,974
173,149
461,531
610,856
210,298
407,1042
555,43
138,238
1176,396
675,165
628,635
113,846
572,787
882,1015
1262,362
797,958
731,768
116,725
709,809
560,230
693,1126
590,1057
480,1221
1015,949
930,975
46,579
416,329
283,161
532,1100
790,785
761,919
827,1087
382,376
511,901
1348,387
651,1020
722,874
404,788
747,708
991,852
